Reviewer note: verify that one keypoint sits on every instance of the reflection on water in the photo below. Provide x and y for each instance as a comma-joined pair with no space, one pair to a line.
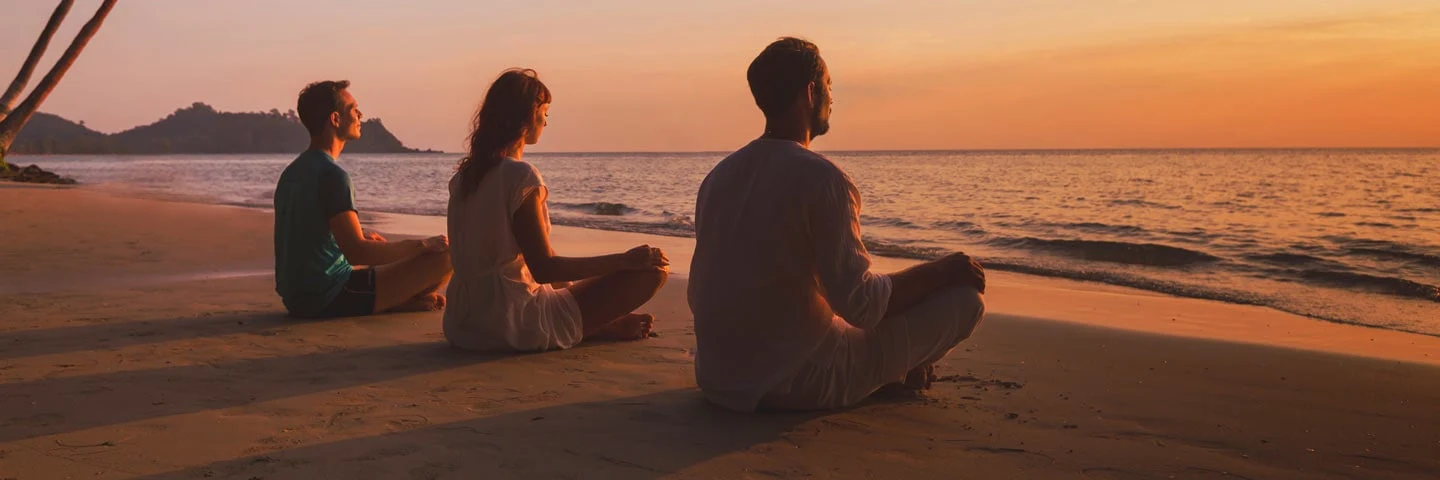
1344,235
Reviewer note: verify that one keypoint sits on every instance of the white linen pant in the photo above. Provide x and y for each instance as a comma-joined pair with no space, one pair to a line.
851,363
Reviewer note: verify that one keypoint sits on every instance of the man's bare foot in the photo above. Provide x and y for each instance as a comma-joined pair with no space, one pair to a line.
634,326
430,302
916,381
921,378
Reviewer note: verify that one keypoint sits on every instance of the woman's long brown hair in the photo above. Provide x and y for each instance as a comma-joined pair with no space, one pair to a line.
509,108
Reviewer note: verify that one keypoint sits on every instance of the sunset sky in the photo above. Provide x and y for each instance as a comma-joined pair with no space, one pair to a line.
633,75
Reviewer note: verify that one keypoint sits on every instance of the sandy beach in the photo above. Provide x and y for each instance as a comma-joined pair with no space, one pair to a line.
142,338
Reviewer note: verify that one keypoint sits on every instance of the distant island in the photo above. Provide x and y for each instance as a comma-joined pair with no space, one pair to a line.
198,129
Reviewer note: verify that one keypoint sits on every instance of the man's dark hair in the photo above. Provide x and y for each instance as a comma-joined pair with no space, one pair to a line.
317,101
782,71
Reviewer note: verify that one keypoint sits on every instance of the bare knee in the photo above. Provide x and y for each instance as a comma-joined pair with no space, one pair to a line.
655,277
436,262
440,258
647,280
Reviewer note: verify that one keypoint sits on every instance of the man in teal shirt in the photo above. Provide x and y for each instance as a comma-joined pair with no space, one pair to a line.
325,266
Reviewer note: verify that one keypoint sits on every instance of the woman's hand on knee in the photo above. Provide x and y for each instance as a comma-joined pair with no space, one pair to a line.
645,257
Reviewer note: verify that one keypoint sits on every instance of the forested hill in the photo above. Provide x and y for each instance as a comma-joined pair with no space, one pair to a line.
198,128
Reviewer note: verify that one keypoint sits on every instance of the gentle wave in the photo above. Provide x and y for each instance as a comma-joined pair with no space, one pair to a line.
1288,259
1398,255
902,249
1145,254
1193,236
1315,270
1150,254
1141,203
676,229
597,208
433,211
968,228
677,220
1393,286
1298,266
889,222
1096,227
1210,292
1385,250
1133,281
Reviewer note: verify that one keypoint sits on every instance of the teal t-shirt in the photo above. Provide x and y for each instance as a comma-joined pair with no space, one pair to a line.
310,270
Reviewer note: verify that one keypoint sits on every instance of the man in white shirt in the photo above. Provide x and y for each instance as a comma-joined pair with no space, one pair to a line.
787,314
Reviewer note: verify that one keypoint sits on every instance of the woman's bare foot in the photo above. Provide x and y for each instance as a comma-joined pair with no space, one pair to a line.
430,302
634,326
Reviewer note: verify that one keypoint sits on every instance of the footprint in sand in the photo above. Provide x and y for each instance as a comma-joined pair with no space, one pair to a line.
383,453
432,471
1190,473
847,425
1026,457
1373,462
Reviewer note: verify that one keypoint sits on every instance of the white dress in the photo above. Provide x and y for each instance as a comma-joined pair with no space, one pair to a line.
493,303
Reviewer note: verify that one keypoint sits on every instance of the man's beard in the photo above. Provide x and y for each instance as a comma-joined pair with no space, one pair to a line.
819,126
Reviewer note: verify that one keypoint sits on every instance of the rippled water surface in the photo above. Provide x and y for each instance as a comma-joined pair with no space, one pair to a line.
1343,235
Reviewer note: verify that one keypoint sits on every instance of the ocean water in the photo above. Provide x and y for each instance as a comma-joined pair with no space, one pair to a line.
1348,236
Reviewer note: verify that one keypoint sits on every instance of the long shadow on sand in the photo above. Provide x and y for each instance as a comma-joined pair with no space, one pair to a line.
647,436
50,341
57,405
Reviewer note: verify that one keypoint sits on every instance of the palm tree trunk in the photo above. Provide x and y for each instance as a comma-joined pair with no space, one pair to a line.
17,86
10,126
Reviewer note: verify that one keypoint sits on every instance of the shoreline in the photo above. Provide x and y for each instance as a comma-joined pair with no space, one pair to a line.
103,375
408,225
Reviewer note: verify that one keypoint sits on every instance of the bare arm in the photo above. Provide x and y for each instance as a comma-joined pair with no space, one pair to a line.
362,250
547,267
335,197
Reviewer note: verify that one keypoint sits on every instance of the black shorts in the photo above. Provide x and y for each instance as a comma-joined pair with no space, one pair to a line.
356,298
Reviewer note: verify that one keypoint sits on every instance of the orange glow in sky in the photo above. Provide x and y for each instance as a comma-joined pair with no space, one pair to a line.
632,75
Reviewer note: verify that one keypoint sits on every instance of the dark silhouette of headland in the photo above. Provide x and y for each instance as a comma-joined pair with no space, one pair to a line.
197,129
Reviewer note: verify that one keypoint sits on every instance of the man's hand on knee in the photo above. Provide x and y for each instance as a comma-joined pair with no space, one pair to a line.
436,244
965,271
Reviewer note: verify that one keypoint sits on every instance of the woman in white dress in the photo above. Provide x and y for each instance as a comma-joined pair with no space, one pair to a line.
510,291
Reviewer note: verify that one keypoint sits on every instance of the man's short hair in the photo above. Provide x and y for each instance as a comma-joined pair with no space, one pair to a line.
782,71
317,101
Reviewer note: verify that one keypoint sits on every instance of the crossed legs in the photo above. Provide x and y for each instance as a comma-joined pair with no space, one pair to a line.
412,284
607,304
852,363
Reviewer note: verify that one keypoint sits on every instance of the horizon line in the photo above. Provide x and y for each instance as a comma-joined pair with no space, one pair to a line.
428,151
988,150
